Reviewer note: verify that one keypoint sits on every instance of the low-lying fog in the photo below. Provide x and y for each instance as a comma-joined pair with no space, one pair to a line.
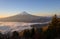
15,26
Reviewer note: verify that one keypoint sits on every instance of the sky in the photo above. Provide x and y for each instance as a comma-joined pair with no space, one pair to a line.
36,7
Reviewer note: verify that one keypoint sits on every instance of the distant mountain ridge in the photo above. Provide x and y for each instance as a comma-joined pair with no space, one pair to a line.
24,17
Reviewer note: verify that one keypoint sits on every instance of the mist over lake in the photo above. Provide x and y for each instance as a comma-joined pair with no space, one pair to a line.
15,26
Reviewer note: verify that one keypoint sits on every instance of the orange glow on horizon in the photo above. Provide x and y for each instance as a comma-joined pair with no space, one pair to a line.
3,16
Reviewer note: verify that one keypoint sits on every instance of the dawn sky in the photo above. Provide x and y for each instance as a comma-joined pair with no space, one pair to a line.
38,7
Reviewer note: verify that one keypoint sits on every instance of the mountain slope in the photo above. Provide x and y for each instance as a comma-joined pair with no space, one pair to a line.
23,17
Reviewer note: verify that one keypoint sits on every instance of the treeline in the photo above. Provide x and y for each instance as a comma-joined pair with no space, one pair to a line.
53,32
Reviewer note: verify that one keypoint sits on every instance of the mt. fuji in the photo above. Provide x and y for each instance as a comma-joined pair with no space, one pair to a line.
23,17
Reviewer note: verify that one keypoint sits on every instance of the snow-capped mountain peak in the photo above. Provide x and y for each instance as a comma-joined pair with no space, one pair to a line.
24,13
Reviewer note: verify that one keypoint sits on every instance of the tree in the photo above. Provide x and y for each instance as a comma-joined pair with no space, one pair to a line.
15,35
1,37
53,28
54,20
32,32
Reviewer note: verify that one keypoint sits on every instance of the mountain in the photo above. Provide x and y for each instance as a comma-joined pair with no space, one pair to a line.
23,17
